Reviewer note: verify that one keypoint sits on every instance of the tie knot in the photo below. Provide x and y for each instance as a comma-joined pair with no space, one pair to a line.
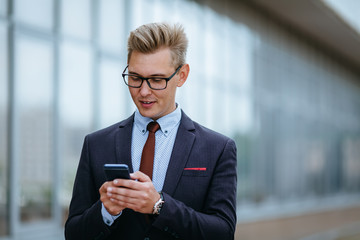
153,127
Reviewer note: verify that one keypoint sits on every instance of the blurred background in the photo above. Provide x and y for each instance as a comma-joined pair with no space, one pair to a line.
282,76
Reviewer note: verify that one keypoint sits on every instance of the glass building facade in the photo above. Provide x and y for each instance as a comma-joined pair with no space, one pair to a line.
293,109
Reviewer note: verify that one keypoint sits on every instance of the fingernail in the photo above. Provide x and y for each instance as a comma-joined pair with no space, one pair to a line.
109,189
116,181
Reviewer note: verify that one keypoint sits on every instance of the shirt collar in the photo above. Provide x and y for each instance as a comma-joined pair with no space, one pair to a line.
167,123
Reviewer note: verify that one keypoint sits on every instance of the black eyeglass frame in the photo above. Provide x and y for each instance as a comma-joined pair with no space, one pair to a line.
147,79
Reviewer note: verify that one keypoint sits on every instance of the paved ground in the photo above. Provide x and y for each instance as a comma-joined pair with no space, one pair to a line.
355,237
342,224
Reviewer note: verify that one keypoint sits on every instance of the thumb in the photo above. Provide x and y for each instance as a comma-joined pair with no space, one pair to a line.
140,176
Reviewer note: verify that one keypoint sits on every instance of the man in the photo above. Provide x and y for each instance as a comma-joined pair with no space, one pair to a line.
191,191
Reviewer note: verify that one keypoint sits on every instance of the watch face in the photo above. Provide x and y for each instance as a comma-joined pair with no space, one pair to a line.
158,207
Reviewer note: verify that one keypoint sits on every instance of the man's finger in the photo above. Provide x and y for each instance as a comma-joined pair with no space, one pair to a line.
140,176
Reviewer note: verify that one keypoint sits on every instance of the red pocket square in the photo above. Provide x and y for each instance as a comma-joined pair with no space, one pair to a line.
196,169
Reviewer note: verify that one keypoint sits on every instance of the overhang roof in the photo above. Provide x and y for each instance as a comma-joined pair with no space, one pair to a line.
318,21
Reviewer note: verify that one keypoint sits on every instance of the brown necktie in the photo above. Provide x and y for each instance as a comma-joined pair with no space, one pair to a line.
147,157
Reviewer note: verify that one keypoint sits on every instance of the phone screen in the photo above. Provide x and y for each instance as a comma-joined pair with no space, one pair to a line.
114,171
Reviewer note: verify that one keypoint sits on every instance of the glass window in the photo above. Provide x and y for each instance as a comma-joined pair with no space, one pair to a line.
2,7
194,27
111,30
351,163
3,131
75,84
114,95
76,101
33,124
190,98
75,18
142,13
35,12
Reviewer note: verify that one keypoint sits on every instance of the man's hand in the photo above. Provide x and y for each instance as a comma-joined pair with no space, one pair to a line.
139,195
112,208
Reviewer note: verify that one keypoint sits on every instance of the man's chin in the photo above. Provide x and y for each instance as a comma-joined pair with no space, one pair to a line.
148,113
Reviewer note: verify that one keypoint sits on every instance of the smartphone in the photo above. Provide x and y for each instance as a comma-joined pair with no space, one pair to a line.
114,171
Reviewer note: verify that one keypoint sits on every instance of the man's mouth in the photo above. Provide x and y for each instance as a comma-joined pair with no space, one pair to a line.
147,103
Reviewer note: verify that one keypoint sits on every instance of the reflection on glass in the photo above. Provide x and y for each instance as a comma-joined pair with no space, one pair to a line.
76,85
142,12
35,12
111,22
3,131
76,102
75,18
34,117
114,94
351,164
2,7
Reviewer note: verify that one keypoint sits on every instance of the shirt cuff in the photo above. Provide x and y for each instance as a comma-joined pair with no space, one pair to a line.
107,217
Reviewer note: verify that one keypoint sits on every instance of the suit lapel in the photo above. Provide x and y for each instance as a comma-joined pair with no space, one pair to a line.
123,142
183,144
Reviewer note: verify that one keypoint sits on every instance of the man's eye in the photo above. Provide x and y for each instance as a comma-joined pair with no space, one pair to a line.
135,78
157,79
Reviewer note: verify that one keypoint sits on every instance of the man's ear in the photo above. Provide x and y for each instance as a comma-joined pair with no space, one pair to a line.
183,73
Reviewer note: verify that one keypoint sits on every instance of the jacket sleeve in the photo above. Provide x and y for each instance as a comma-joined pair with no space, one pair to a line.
217,219
85,219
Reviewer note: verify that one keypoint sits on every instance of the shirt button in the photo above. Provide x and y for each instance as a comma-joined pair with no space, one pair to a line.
143,130
108,222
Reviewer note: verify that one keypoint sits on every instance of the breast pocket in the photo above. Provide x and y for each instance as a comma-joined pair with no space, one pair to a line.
193,187
195,173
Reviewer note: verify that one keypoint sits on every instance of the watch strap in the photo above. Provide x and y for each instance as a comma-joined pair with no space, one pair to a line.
158,205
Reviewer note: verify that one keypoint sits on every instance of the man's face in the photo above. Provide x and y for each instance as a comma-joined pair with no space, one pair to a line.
155,103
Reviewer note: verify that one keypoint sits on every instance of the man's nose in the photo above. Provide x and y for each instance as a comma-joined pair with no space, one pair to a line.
145,89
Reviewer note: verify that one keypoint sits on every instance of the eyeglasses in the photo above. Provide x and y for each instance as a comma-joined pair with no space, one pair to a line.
155,83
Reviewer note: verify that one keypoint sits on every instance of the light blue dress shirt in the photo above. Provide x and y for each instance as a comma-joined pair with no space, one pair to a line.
164,142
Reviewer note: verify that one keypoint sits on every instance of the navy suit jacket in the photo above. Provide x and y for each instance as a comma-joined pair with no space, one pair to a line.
198,204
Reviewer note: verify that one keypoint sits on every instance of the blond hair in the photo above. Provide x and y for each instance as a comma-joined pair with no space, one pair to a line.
150,37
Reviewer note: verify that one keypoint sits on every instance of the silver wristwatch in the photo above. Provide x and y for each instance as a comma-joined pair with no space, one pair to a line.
158,205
